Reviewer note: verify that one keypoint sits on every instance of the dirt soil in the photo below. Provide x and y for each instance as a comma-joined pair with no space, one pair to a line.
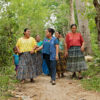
65,89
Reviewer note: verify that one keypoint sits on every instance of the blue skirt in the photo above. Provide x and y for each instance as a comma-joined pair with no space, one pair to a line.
45,68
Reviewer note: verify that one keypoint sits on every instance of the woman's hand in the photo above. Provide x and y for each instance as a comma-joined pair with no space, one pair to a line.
18,51
57,58
31,52
66,54
82,48
39,48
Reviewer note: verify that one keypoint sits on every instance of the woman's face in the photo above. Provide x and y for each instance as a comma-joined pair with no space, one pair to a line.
27,33
57,35
61,36
47,34
38,38
74,28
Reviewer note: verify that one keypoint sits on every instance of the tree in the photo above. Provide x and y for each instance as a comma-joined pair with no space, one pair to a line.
97,18
62,14
83,25
15,15
72,18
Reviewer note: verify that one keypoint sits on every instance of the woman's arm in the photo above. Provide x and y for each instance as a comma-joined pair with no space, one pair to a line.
66,50
33,50
34,46
18,50
39,48
18,45
82,47
82,42
57,51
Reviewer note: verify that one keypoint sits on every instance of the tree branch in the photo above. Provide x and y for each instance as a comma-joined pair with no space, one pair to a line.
96,3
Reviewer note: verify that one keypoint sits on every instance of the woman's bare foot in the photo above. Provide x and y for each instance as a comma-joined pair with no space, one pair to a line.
74,75
23,81
80,76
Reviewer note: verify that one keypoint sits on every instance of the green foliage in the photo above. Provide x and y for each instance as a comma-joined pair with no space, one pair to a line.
94,42
16,16
92,84
30,14
92,75
62,14
7,80
3,51
92,81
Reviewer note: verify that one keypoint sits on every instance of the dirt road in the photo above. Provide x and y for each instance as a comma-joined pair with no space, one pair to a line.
65,89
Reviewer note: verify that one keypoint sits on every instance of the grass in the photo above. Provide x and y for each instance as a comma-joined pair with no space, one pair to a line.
92,80
92,84
7,82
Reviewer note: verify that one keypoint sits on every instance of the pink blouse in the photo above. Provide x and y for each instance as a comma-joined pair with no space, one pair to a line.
74,39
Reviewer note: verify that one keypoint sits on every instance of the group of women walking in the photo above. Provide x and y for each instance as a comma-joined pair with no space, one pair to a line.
57,52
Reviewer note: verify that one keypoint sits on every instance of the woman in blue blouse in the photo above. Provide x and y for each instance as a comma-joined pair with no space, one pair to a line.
50,53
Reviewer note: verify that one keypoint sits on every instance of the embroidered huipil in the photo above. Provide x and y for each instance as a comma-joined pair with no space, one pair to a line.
74,39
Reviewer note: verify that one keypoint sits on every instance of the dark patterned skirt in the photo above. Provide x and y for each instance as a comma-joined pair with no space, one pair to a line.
27,66
39,62
76,61
61,63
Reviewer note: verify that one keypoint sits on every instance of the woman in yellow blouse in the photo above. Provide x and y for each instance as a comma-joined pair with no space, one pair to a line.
26,48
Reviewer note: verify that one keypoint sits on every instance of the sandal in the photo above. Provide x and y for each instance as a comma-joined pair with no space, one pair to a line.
32,80
74,75
80,77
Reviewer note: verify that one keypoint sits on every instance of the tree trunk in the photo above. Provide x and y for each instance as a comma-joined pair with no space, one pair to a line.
83,25
72,18
97,18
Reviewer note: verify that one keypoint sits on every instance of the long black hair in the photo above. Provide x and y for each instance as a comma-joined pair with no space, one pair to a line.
51,30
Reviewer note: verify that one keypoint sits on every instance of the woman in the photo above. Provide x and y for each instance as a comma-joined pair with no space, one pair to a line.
25,47
54,48
74,52
46,54
61,63
50,53
38,56
44,65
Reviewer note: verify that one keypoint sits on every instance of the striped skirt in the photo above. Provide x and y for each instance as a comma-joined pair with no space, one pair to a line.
27,66
39,62
61,63
76,61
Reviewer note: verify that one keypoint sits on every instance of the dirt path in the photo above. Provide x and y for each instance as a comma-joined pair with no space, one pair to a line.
65,89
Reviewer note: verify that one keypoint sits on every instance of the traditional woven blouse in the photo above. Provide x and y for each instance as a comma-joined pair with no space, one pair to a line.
74,39
26,45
